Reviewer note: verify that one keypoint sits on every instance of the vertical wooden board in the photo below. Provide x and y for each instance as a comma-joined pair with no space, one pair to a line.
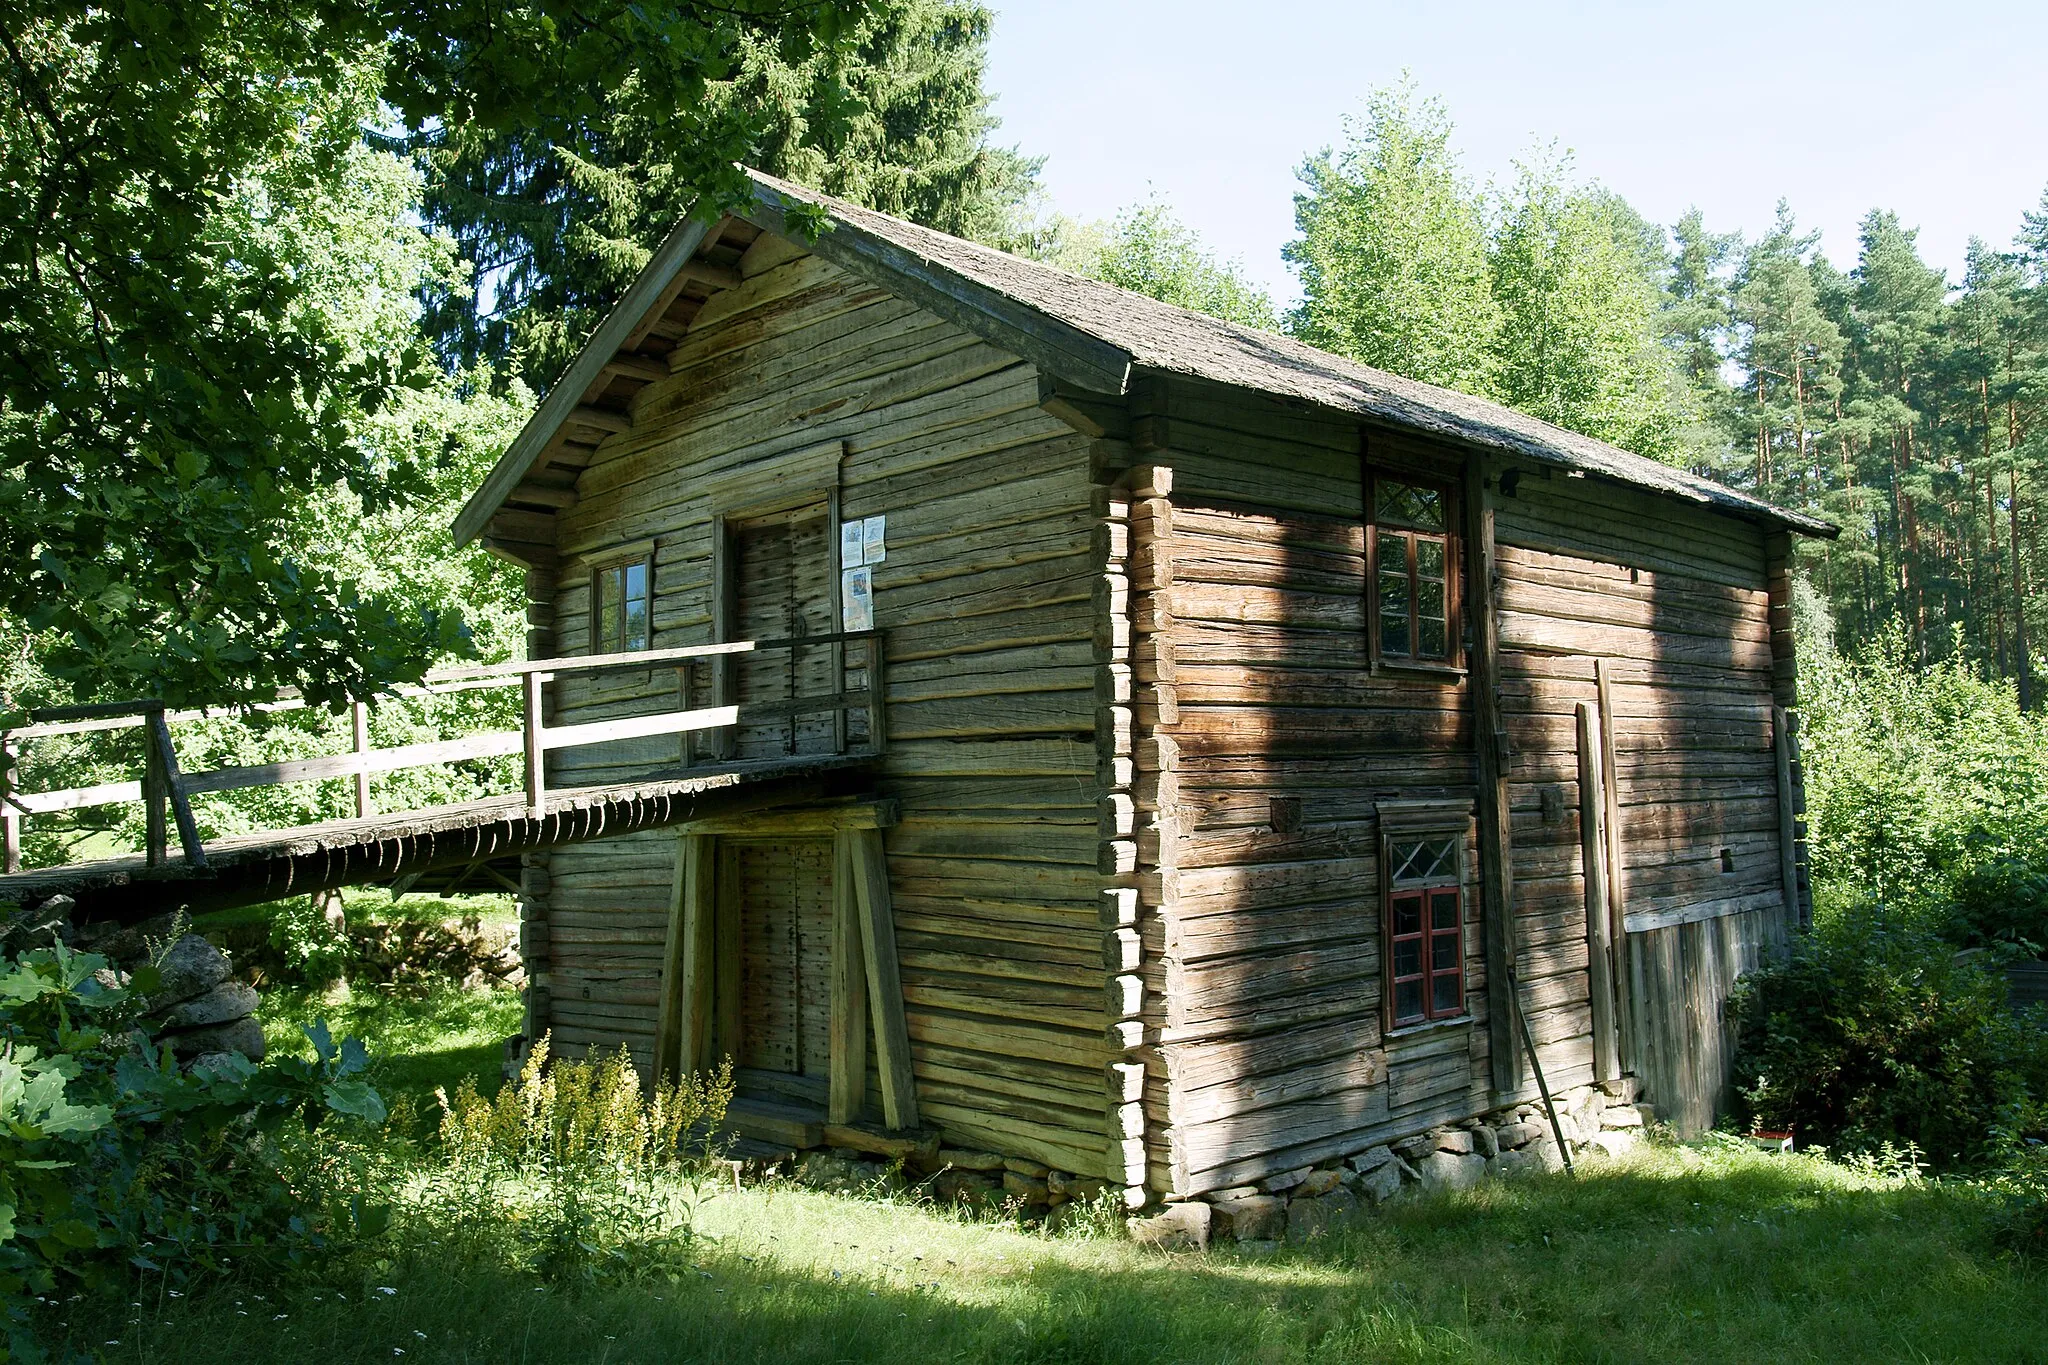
1617,885
811,876
668,1017
683,1018
727,971
849,1028
1788,824
1593,836
1496,858
885,987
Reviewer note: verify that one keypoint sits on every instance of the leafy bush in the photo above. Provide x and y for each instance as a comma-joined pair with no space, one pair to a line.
2020,1226
114,1161
1872,1032
573,1171
1927,794
2002,902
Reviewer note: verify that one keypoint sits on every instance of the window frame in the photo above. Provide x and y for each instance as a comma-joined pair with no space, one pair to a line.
618,642
1402,823
1452,662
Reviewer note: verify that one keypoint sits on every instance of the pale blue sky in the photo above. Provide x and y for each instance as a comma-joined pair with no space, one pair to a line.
1937,111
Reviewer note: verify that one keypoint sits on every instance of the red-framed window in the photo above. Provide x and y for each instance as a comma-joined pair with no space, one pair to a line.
1414,590
1425,912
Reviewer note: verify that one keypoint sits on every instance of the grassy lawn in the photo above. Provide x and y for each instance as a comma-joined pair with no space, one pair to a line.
1680,1254
1704,1253
419,1038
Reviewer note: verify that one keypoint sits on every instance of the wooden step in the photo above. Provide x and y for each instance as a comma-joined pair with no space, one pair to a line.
785,1125
899,1142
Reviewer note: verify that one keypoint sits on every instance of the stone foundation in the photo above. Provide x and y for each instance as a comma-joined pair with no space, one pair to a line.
1303,1204
1292,1206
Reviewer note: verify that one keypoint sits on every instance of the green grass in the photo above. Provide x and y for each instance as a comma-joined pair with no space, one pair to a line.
1679,1254
418,1039
1693,1254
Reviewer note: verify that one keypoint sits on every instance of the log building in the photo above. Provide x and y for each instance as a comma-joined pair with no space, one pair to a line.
1256,739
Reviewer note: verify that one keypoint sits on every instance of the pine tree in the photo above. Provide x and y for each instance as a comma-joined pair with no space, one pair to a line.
1790,352
1894,345
896,118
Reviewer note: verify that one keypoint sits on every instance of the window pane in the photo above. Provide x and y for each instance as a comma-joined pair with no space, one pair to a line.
1394,579
1443,911
1443,952
1403,504
606,639
635,627
1429,597
1418,860
1393,635
1407,1000
1403,856
1407,915
1429,557
1434,641
1408,957
1444,995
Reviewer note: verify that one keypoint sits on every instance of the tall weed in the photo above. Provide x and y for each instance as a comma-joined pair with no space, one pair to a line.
575,1170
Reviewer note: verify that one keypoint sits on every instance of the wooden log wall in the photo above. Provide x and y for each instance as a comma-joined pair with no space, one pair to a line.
1659,618
1266,954
804,379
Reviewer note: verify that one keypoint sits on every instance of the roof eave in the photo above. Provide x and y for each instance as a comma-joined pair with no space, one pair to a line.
547,420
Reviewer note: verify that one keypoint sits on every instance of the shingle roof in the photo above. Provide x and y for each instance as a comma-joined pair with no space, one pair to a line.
1094,336
1159,336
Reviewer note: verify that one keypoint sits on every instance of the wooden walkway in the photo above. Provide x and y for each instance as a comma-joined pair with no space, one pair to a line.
252,868
475,843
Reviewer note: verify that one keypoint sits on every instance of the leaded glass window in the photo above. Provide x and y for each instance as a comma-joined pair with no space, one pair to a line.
1424,928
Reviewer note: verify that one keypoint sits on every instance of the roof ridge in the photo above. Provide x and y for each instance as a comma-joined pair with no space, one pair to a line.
1393,398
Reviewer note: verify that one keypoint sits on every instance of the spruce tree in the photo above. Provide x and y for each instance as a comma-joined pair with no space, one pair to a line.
895,118
1695,325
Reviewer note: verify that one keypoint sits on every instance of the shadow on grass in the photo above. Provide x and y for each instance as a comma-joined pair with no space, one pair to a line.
1735,1263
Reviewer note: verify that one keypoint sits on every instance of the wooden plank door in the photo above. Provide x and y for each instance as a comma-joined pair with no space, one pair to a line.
783,589
779,894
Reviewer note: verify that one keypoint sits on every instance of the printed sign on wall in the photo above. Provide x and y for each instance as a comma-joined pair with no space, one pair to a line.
851,537
857,599
872,551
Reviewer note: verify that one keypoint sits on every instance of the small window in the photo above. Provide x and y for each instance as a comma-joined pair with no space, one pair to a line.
1414,587
623,608
1424,927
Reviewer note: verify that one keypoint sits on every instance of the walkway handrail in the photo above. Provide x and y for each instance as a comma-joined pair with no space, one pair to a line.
163,784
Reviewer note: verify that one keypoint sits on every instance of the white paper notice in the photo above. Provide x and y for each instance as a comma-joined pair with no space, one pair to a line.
857,599
851,535
871,548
